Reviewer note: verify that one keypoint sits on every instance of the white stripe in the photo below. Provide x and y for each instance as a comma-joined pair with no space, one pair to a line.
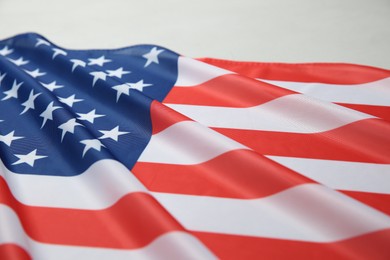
372,93
187,142
100,186
352,176
193,72
292,113
172,245
309,212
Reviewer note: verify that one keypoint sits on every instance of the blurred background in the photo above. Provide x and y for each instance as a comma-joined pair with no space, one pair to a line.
353,31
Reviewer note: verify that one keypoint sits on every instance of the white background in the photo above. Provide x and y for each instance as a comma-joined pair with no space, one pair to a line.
354,31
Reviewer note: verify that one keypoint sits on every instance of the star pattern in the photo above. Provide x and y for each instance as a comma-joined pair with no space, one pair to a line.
53,103
19,62
91,144
98,61
98,75
76,63
68,127
139,85
13,92
52,86
48,113
29,158
35,73
121,89
2,76
152,56
8,138
41,41
90,116
57,52
6,51
117,73
69,101
112,134
29,103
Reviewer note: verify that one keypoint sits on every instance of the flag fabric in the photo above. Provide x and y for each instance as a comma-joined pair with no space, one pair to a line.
141,153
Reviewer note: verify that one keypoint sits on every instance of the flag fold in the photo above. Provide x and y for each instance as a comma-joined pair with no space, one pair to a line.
140,153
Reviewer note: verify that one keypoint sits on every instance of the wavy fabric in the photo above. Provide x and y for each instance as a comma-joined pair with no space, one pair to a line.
141,153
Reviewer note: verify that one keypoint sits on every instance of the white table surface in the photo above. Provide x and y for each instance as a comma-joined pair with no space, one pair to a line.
353,31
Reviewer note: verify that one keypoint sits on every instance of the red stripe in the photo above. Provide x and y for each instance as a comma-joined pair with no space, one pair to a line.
13,252
133,222
331,73
163,117
380,202
227,90
362,141
235,174
369,246
382,112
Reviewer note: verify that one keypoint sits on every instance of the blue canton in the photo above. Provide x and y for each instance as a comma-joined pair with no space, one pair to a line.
62,110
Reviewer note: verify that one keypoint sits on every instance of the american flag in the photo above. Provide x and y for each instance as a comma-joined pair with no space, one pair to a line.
139,153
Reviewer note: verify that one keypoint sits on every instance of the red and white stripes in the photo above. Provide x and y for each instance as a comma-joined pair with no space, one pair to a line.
102,213
220,158
172,245
237,168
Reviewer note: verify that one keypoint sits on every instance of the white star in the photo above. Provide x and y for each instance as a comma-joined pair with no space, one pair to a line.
98,61
5,51
90,116
70,100
2,77
98,75
29,103
8,138
139,85
117,73
77,63
42,42
48,113
35,73
91,143
29,158
152,56
68,126
52,86
19,62
113,133
121,89
13,92
58,52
